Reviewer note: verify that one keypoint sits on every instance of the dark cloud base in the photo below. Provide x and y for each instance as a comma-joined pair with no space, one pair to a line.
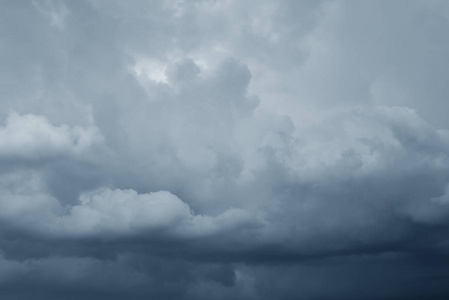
387,276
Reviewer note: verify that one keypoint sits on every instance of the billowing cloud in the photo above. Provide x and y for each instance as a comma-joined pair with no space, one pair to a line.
223,150
33,137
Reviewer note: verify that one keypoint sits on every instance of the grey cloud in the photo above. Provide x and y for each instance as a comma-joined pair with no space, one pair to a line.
223,150
390,173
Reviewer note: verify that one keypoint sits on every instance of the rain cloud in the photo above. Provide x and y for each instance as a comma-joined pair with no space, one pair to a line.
224,149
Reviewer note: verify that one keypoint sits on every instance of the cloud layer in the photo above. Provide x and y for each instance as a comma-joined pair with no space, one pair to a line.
224,150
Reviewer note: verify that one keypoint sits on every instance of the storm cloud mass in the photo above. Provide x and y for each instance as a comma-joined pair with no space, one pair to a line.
224,149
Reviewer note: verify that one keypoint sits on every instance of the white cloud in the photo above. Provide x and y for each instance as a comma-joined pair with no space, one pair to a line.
31,136
118,212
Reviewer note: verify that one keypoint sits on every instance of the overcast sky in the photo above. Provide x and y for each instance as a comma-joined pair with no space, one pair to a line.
224,149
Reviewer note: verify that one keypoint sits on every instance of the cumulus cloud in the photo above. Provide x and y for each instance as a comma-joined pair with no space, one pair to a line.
33,137
348,192
223,150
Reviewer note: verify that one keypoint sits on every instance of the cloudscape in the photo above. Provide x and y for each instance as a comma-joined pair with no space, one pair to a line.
224,149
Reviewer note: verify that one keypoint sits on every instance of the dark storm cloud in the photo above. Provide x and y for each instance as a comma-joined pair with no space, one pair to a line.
223,150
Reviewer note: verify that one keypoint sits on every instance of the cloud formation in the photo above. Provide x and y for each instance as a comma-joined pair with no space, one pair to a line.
223,150
33,137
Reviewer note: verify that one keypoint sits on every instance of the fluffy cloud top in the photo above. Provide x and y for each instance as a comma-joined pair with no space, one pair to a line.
31,136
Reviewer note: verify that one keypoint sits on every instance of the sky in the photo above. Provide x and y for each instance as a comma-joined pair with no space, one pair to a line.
224,149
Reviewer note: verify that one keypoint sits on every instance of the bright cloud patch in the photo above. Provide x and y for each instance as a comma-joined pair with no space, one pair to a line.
31,136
